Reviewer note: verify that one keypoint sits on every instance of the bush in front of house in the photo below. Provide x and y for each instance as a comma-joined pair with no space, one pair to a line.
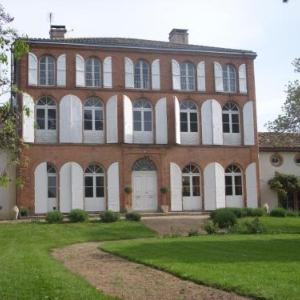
252,226
109,216
54,217
278,212
78,215
257,212
133,216
24,212
292,213
210,227
224,218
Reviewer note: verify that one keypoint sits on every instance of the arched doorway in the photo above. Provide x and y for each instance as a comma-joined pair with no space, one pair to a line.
144,183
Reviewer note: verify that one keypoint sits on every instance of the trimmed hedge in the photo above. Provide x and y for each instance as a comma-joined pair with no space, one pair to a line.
78,215
224,218
109,216
54,217
133,216
242,212
278,212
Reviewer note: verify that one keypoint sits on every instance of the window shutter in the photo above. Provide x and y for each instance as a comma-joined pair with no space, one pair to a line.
217,123
176,187
218,77
113,191
128,120
32,69
65,188
80,78
77,186
251,185
177,121
112,120
41,189
243,79
155,70
61,70
107,72
214,186
28,120
70,119
207,121
201,76
176,75
161,120
129,73
248,120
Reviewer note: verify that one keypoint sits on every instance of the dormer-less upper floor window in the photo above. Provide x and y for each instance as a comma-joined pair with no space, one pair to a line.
141,75
229,78
92,72
47,70
187,76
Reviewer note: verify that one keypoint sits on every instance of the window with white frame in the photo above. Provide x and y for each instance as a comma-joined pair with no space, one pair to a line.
93,114
229,78
142,115
187,76
46,114
92,72
94,181
190,181
51,179
47,70
233,181
141,75
231,118
188,117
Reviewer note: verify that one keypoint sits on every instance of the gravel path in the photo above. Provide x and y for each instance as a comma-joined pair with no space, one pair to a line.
127,280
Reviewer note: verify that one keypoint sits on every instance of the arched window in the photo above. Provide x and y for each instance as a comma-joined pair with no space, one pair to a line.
188,117
51,180
190,181
142,115
144,164
46,113
93,114
47,70
229,78
231,118
141,75
187,76
94,181
233,181
92,72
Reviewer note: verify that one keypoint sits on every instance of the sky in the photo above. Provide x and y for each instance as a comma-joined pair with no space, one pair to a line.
268,27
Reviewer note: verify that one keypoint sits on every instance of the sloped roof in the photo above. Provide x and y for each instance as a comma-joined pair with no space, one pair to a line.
273,141
140,44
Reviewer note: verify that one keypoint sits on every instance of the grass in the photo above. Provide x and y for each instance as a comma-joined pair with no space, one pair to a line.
28,271
263,266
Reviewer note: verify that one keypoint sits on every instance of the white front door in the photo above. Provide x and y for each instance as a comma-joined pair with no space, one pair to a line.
144,196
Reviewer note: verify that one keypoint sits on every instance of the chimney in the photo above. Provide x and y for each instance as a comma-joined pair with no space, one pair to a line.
179,36
57,31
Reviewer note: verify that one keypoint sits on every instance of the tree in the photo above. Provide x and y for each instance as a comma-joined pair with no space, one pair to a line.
289,120
10,142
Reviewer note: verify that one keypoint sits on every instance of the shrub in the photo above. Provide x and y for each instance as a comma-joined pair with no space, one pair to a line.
257,212
246,212
224,218
128,190
193,232
278,212
109,216
254,226
291,213
133,216
164,190
24,212
210,227
78,215
54,217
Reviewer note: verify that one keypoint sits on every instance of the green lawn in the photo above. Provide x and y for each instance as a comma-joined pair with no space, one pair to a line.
266,266
280,225
27,270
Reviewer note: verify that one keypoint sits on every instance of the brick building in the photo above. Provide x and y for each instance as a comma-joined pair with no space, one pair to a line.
112,113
